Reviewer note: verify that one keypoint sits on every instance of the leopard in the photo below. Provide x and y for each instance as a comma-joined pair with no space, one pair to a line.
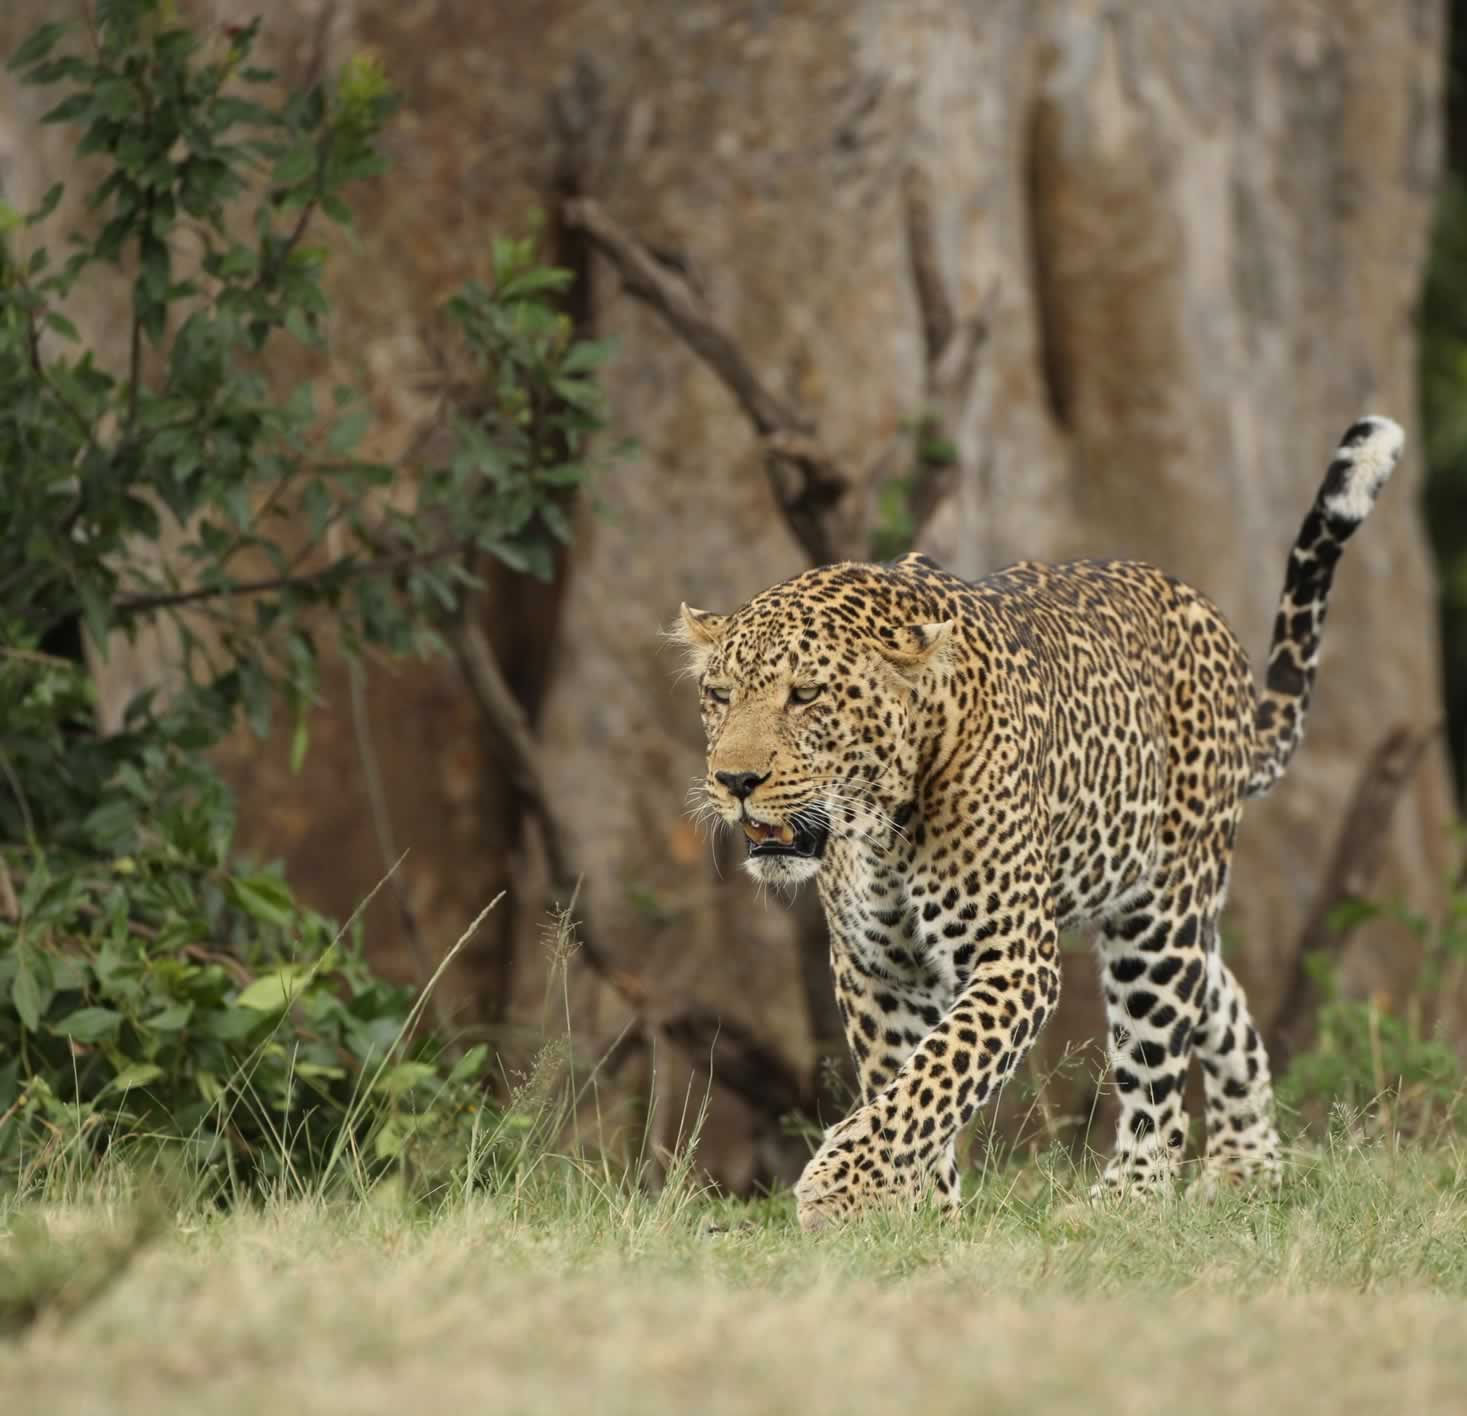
967,769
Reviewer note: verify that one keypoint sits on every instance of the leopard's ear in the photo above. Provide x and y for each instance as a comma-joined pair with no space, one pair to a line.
699,632
699,628
916,646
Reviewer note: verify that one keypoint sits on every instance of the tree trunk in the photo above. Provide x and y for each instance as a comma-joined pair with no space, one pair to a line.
1205,222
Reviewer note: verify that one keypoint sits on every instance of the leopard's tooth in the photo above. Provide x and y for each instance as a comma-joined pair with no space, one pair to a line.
787,834
753,832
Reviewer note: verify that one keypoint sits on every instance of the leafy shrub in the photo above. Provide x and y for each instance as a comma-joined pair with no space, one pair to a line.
1366,1056
149,983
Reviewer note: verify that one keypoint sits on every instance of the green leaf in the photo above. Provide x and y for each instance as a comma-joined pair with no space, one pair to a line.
586,355
296,165
559,524
515,557
320,1069
468,1067
273,991
28,990
60,325
1351,911
49,203
265,898
232,1024
298,325
68,973
259,696
79,105
89,1024
348,432
135,1074
388,1142
300,741
540,281
35,48
404,1077
317,504
97,612
562,474
171,1019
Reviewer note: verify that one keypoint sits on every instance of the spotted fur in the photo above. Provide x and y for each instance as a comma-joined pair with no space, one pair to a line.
968,768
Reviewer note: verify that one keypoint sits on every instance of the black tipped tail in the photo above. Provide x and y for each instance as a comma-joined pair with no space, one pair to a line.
1361,466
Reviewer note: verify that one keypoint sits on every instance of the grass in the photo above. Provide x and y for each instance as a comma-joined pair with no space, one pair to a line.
564,1287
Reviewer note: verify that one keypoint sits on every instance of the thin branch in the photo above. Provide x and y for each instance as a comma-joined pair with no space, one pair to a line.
511,729
810,497
233,967
134,377
135,350
938,319
954,348
668,291
34,656
8,770
320,44
347,567
279,257
1358,855
314,66
9,905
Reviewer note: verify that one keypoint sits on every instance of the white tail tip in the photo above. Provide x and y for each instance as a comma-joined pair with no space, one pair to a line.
1367,456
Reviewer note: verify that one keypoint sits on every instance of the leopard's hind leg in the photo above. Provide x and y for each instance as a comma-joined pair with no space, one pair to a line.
1153,963
1242,1143
1169,994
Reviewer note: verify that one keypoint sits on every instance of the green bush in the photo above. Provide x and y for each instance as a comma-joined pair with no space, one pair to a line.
151,985
1369,1060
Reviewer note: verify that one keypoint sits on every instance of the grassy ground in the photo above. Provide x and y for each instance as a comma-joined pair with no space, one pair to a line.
1349,1294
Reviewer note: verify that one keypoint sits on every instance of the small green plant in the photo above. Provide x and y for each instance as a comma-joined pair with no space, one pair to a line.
1371,1060
151,984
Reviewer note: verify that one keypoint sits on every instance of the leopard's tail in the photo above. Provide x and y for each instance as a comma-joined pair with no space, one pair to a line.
1364,461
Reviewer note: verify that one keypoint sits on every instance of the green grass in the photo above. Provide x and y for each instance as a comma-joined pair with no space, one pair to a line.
565,1289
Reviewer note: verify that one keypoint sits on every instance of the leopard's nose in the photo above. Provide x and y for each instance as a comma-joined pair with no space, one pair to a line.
741,784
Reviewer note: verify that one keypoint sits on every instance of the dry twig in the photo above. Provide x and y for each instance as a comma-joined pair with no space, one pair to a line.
808,482
9,905
954,348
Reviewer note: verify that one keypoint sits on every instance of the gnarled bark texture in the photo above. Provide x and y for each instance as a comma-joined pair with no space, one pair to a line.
1206,221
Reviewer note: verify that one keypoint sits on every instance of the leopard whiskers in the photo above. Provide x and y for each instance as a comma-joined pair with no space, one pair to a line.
838,797
824,811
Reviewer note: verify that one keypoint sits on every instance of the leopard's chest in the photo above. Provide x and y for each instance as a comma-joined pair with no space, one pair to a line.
865,893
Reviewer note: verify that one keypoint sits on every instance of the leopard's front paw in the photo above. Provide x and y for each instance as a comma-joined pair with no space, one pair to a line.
845,1174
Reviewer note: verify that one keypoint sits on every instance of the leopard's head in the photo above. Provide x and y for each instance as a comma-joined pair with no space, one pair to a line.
809,697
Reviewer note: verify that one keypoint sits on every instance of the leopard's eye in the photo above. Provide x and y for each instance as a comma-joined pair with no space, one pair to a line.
718,695
806,693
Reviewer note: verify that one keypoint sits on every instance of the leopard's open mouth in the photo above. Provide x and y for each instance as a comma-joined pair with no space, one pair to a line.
796,837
